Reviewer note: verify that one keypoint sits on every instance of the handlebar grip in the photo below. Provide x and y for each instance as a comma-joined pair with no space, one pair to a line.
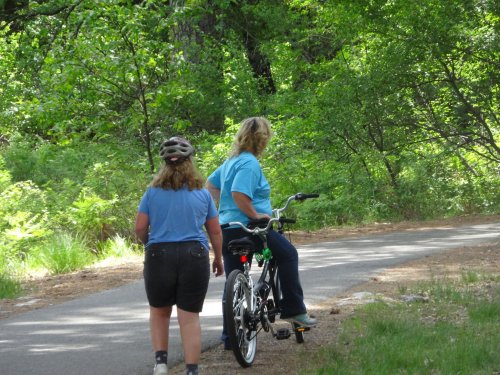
224,226
302,196
287,220
313,195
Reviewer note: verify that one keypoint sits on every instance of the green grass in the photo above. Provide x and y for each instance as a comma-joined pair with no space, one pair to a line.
457,332
9,287
64,253
118,247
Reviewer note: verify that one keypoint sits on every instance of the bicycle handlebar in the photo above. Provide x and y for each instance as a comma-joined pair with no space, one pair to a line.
302,196
277,215
255,230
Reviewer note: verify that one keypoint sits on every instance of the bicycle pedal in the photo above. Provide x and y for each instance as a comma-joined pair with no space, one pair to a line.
302,329
283,334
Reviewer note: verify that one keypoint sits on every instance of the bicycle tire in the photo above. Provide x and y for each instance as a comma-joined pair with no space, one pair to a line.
243,340
278,295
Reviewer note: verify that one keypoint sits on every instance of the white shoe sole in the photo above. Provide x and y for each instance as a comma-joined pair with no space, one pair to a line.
160,369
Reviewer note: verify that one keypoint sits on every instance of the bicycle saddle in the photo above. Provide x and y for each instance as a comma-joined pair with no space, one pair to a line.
241,246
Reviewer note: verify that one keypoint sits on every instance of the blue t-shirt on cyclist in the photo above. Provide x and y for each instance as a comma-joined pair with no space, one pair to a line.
241,174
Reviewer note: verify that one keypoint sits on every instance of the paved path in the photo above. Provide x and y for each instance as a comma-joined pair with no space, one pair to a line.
107,333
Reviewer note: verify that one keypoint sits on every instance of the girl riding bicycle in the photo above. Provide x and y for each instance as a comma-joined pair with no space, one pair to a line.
243,193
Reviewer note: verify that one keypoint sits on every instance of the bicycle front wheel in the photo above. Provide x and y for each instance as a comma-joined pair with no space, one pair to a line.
242,337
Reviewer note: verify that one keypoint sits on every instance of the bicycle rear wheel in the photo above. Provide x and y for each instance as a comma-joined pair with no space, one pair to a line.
242,338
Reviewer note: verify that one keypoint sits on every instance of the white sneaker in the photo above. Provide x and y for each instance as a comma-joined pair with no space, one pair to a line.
160,369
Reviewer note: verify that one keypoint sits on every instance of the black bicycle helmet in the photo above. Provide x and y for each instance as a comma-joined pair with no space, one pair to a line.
175,150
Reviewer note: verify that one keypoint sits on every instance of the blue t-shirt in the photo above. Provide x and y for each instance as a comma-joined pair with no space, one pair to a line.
177,215
241,174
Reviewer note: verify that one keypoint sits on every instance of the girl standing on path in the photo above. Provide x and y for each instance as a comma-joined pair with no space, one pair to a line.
170,221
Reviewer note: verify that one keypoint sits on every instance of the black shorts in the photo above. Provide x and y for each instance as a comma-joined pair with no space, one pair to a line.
177,273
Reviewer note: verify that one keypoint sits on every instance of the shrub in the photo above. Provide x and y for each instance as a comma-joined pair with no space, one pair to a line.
63,253
117,247
23,219
91,215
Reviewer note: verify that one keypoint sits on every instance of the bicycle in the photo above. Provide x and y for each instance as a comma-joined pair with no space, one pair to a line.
251,307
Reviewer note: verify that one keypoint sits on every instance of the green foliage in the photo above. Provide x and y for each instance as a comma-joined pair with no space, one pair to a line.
63,252
5,177
45,163
212,150
73,190
9,287
107,168
12,88
119,182
23,219
118,247
90,214
388,110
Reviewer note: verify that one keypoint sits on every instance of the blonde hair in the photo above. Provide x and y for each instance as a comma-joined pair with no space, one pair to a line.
253,135
177,176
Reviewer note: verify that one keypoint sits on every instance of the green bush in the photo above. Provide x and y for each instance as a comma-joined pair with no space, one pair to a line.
24,220
69,173
91,215
20,160
45,162
121,184
117,247
64,252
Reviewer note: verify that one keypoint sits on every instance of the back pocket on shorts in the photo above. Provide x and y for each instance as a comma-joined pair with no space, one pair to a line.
198,252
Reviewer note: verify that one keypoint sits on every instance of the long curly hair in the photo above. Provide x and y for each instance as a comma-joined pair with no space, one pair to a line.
177,176
253,136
